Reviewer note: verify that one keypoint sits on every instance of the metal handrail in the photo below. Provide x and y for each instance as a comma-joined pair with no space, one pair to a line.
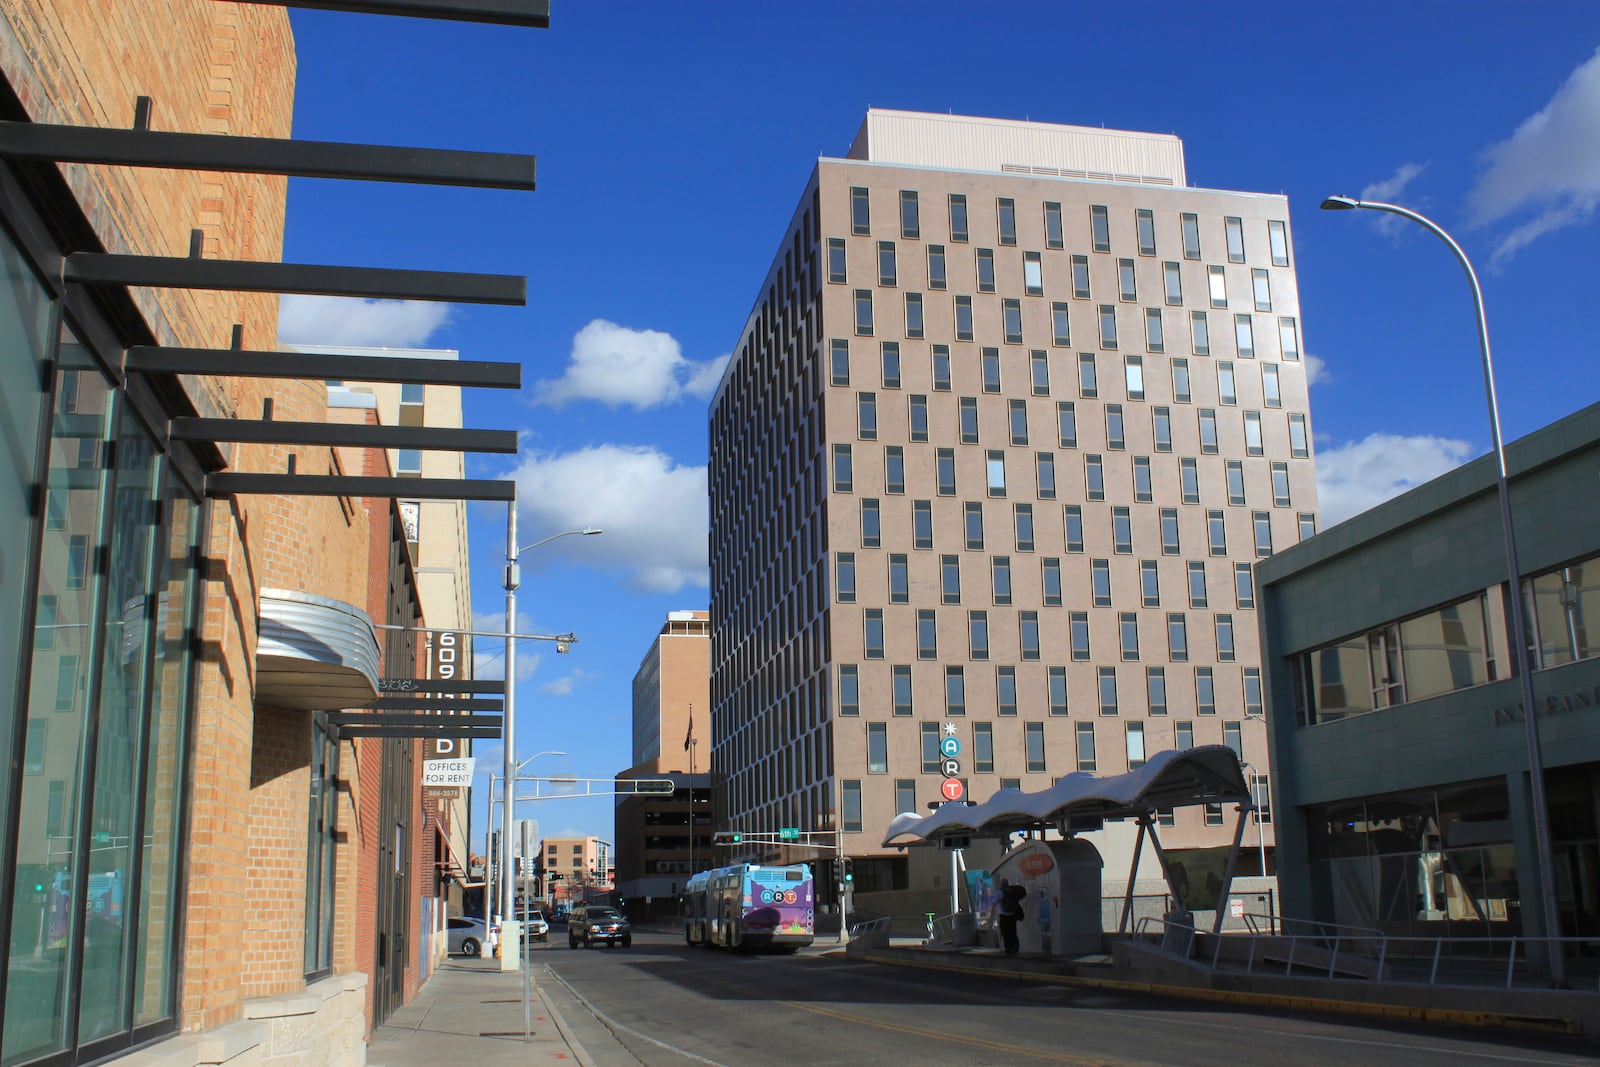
1142,927
869,926
943,927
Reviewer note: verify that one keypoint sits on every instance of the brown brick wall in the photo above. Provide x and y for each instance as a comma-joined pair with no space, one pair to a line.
274,948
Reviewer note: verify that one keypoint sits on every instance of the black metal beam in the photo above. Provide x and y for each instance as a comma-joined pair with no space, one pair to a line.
235,363
534,14
264,155
436,703
332,435
224,483
367,718
189,272
415,686
477,733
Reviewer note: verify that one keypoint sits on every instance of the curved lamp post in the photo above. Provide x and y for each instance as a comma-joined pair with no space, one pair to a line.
505,820
1519,630
510,961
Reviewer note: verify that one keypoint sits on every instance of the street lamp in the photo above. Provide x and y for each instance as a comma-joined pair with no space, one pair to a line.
513,578
1519,632
505,820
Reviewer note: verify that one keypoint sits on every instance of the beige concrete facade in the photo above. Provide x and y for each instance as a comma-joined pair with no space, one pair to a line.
1024,502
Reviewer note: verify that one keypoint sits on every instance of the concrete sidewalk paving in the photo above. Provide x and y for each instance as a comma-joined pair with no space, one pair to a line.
471,1012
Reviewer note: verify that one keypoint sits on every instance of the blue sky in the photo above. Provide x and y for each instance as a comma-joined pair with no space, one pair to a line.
675,140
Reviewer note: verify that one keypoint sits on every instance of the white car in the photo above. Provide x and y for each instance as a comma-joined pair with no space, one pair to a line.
465,934
536,926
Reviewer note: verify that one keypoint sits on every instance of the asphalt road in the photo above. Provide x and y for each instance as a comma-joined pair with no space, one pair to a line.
664,1003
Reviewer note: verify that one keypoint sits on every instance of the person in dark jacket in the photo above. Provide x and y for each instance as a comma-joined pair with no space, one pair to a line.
1007,913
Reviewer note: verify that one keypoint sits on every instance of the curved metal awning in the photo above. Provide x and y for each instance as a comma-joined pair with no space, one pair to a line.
1209,774
315,653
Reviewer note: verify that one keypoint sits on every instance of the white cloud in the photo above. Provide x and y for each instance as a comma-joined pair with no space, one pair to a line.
653,512
334,320
1388,191
565,685
1316,370
622,367
1357,475
489,654
1550,165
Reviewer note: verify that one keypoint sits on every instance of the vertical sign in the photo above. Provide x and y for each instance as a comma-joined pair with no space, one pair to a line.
444,664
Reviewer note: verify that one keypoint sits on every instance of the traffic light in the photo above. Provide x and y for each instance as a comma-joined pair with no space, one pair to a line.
849,870
726,837
838,870
556,876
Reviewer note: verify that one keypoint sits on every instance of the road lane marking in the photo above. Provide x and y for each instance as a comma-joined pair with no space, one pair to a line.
614,1026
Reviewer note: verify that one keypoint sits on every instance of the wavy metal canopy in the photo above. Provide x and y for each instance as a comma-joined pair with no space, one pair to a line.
1209,774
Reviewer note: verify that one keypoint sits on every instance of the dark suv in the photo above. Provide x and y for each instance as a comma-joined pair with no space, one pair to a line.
595,924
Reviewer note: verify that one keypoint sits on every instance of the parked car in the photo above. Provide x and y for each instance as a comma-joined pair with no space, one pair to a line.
537,926
593,924
465,934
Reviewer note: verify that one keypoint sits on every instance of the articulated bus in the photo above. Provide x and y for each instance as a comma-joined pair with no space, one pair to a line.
750,906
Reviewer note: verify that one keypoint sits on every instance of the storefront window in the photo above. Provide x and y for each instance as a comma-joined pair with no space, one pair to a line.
1564,600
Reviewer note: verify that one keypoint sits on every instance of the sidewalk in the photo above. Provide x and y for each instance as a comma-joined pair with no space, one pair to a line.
470,1012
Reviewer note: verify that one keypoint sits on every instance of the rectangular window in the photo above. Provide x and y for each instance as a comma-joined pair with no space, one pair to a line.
1135,739
1183,736
1253,445
1216,278
1189,480
1108,326
1080,277
1039,371
1278,239
839,358
941,368
1023,521
887,273
1308,524
1128,634
1108,690
1053,232
1197,583
844,571
867,416
1244,335
1155,688
843,480
1235,231
921,524
1127,283
877,748
1289,339
1200,333
1261,796
1172,280
1005,688
1262,521
982,749
1099,228
931,755
1028,634
1050,581
985,270
972,514
1032,274
950,579
1208,432
989,364
1067,423
910,218
872,630
1244,585
919,417
1177,637
1191,235
1205,691
836,267
1033,739
1261,288
1122,530
1225,646
1094,478
1116,439
1145,225
995,466
850,799
1217,533
1060,324
1085,738
977,635
899,579
1006,210
1162,418
936,269
1088,386
863,312
1271,392
914,324
905,795
1133,372
1044,474
1078,633
1143,489
967,419
945,471
1155,334
860,211
1235,469
1169,531
927,635
889,357
849,689
1180,380
894,469
1100,582
1073,516
1299,440
963,318
1056,679
1011,319
1000,579
1149,584
1227,388
1252,692
958,216
955,691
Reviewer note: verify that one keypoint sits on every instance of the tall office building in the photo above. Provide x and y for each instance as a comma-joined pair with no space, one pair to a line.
1015,413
